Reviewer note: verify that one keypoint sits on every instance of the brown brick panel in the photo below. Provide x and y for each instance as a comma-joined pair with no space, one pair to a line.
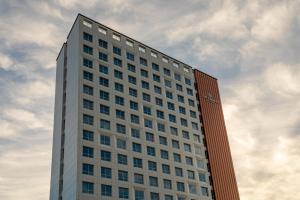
219,156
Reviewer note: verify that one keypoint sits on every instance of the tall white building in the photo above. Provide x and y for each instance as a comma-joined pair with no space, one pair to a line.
127,123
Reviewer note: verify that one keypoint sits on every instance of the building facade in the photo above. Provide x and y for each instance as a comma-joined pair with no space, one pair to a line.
133,123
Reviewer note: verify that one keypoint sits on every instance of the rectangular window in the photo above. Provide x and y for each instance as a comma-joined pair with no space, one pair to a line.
189,160
105,172
178,87
118,74
88,76
177,77
87,104
183,122
180,186
87,63
137,163
186,135
88,119
168,83
164,154
87,49
121,128
119,100
189,91
143,61
167,184
104,109
135,133
123,193
121,144
142,49
155,67
148,123
105,155
173,130
134,105
122,159
135,119
136,147
88,152
202,177
117,50
157,89
167,72
145,85
180,98
116,37
106,190
87,169
182,110
161,127
153,54
120,114
103,56
158,101
139,195
152,166
156,78
169,94
166,169
188,81
104,139
103,69
119,87
87,24
154,196
88,135
150,137
131,79
104,95
103,81
133,92
175,144
118,62
160,114
130,56
166,60
129,43
130,67
153,181
171,106
146,97
87,187
102,30
102,43
105,124
172,118
144,73
138,178
191,103
150,151
191,174
177,157
204,191
122,175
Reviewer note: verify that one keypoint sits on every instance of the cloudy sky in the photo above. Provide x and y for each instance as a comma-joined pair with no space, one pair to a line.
252,47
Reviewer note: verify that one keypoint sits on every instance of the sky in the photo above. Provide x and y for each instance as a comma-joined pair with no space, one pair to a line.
252,47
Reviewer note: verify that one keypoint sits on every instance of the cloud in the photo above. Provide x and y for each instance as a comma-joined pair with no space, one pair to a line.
250,46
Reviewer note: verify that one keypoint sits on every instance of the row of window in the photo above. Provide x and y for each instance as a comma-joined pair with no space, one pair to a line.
123,193
102,43
137,162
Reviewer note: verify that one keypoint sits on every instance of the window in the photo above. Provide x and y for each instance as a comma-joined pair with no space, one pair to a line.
130,56
172,118
193,114
122,159
157,89
167,72
153,181
164,154
185,135
148,123
155,66
87,63
123,193
175,64
88,76
177,157
182,110
189,160
191,174
158,101
192,188
103,56
173,130
119,87
135,119
137,163
133,92
88,119
171,106
87,152
103,81
168,83
142,49
129,43
131,67
136,147
166,60
169,95
105,124
87,49
151,151
177,77
188,81
104,109
134,105
102,43
200,164
202,177
135,133
187,147
144,73
102,30
87,169
167,184
119,100
139,195
103,69
204,191
106,190
196,138
117,50
105,155
121,128
186,69
138,178
132,80
104,95
118,62
178,87
180,186
118,74
105,172
163,140
161,127
180,98
88,104
183,122
104,139
143,61
87,24
168,197
88,135
152,166
122,175
189,92
121,144
145,85
87,187
150,137
195,126
116,37
147,110
175,144
191,103
146,97
153,54
154,196
156,78
166,169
